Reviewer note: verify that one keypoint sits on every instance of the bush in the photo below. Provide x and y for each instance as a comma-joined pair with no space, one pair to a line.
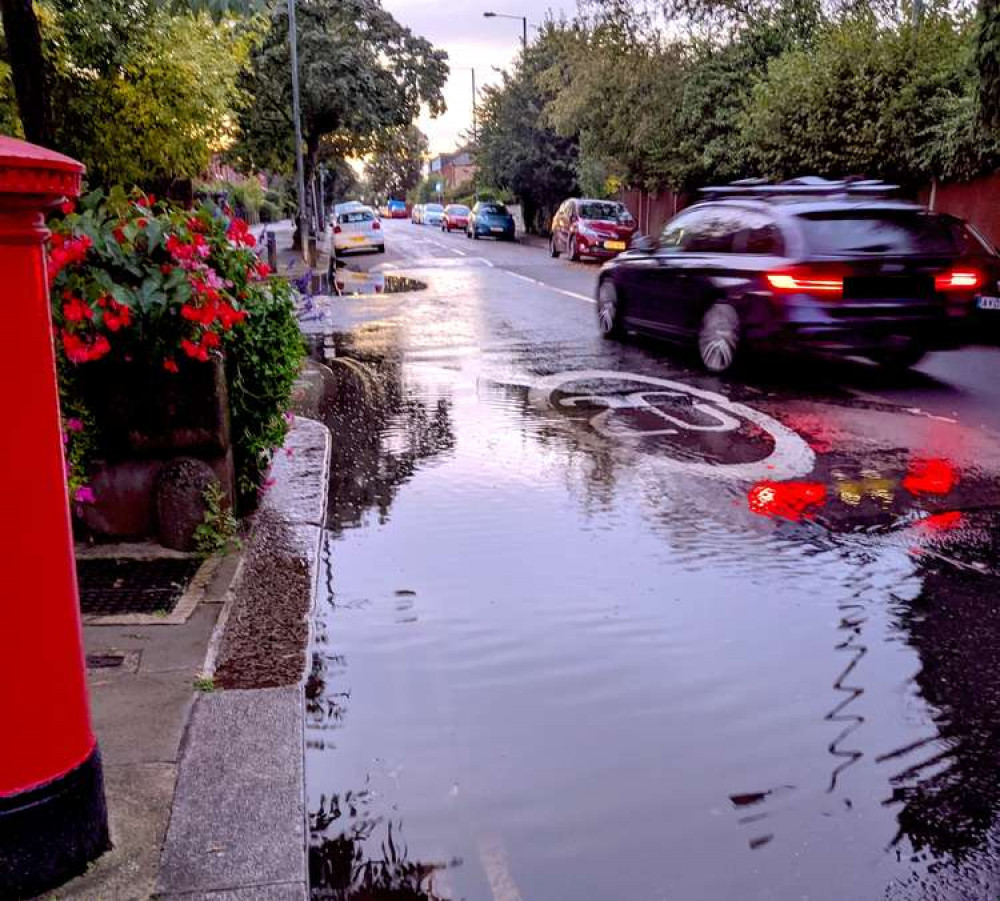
147,284
270,212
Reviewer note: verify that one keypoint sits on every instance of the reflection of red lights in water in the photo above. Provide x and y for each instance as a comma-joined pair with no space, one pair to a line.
941,522
788,500
930,477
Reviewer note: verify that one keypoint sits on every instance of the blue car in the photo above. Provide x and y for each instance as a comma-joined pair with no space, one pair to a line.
490,220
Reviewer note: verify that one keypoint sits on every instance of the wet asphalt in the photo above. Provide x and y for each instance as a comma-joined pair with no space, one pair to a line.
596,625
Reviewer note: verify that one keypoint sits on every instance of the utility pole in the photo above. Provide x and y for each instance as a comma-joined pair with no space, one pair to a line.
475,136
300,173
917,12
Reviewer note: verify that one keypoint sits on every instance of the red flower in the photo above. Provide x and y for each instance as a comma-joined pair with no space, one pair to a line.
166,268
119,234
171,366
195,351
67,207
118,315
79,351
259,271
239,233
77,310
210,339
142,222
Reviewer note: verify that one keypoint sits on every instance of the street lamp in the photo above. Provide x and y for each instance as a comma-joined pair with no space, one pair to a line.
473,71
524,25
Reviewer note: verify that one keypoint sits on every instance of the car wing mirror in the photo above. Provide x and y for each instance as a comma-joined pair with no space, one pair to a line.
644,243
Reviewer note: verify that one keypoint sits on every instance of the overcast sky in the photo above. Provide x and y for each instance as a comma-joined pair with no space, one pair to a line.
458,27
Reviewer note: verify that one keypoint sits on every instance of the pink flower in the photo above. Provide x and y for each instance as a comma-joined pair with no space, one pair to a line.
84,495
74,425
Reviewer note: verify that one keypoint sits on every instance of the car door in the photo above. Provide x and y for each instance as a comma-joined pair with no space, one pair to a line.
690,265
650,274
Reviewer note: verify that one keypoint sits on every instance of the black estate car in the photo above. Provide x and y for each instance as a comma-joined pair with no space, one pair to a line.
836,267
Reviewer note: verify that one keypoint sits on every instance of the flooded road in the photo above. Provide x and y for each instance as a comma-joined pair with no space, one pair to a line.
597,626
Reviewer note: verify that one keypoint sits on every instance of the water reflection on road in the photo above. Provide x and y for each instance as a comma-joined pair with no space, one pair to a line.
545,667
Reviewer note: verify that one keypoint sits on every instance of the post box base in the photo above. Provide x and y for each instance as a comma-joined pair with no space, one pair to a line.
49,834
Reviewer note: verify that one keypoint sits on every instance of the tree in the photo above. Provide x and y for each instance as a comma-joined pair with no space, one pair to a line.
30,71
517,151
141,95
988,63
393,170
362,76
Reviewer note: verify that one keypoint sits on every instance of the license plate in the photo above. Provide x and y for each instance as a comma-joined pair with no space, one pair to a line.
495,229
988,303
360,239
614,245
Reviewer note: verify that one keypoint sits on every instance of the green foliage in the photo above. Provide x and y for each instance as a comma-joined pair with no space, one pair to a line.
219,528
517,150
140,94
262,363
205,684
988,63
363,77
393,170
867,98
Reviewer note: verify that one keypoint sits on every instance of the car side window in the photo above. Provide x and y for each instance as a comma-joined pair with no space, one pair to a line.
758,234
712,231
675,232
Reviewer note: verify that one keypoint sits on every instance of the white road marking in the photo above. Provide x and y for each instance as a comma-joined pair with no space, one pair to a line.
542,284
790,458
494,861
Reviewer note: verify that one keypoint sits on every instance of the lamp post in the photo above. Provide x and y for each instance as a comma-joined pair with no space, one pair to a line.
524,25
475,134
53,818
300,172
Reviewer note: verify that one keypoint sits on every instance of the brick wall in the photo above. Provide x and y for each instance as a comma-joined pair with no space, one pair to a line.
977,201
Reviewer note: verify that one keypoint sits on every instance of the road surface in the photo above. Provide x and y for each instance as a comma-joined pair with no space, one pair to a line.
597,625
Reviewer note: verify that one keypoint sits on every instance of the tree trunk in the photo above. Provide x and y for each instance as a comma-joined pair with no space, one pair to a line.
28,70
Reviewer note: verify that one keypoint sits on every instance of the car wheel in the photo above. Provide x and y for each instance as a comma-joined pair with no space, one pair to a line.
553,250
899,358
380,248
719,337
609,317
574,250
475,235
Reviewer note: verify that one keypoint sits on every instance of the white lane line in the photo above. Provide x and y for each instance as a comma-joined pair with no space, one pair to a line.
461,253
542,284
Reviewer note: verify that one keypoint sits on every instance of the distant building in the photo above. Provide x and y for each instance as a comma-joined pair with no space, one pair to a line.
453,168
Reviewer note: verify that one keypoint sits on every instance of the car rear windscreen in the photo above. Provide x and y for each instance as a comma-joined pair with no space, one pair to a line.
884,232
434,208
355,216
493,209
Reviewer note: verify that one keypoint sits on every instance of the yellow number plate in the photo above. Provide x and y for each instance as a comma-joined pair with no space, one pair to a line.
615,245
358,240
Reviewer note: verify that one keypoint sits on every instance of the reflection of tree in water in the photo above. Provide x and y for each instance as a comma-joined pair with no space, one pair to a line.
341,868
382,431
950,798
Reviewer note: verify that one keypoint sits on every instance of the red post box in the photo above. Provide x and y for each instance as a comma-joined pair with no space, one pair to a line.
53,818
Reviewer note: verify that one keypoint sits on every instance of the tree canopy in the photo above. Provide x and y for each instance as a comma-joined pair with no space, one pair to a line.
362,76
393,170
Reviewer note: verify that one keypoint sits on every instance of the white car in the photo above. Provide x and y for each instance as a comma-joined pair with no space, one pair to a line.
358,228
432,214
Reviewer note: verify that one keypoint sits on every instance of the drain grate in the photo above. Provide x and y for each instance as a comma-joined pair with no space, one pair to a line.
112,586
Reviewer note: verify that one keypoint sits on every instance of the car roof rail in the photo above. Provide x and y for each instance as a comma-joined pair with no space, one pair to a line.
801,187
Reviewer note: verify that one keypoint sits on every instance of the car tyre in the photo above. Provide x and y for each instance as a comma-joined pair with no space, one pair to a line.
609,314
553,250
380,248
475,235
720,338
574,250
900,358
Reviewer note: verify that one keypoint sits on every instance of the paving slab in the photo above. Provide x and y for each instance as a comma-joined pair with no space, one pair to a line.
238,818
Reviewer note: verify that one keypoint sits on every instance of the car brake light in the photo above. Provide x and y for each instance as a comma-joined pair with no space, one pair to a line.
958,280
376,226
804,281
336,229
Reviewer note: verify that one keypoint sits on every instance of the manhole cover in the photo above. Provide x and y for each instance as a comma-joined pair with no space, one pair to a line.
112,586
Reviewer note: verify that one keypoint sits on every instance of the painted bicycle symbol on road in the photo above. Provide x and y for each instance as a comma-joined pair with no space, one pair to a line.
681,427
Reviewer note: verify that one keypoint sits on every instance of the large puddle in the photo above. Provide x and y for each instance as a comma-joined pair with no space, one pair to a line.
545,667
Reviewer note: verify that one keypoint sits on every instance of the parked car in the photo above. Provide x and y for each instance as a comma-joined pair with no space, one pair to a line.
591,228
358,229
416,213
396,209
346,205
455,216
433,214
836,267
490,219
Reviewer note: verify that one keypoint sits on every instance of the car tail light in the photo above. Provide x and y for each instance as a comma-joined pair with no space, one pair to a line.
806,281
336,230
376,226
958,280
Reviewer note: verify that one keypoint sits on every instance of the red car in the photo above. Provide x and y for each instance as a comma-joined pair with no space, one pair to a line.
455,216
591,228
